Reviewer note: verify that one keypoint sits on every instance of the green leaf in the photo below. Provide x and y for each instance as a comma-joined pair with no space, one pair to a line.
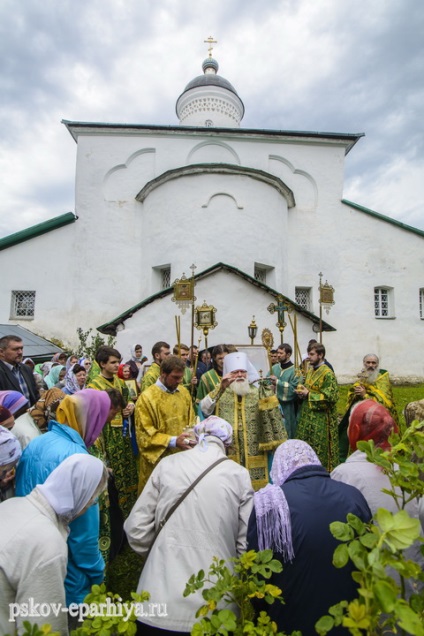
340,556
386,596
356,523
369,540
409,620
399,529
324,625
341,531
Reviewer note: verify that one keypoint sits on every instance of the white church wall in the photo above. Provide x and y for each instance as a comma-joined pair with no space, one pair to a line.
45,264
362,253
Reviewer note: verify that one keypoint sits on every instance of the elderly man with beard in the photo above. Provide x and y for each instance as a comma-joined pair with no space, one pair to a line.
254,415
373,384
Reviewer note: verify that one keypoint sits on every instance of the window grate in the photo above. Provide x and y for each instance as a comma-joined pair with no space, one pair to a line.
166,277
303,297
381,302
23,304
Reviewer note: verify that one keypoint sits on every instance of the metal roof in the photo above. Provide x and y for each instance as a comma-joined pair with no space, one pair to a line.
35,347
37,230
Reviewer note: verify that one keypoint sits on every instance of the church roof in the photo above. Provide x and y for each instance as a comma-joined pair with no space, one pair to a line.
37,230
111,328
210,80
77,128
383,217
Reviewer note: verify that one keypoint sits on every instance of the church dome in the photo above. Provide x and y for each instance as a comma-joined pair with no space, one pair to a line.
210,100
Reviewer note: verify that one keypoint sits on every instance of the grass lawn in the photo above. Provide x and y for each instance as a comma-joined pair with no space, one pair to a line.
402,394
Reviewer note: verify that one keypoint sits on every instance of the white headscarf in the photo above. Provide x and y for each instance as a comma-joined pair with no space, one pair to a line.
10,449
237,361
215,426
71,485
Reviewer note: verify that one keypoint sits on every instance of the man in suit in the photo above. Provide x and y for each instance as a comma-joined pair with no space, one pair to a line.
15,376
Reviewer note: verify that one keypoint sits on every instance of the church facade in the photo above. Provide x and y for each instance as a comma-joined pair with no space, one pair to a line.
260,213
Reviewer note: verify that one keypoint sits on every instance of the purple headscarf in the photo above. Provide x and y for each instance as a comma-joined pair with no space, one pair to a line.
271,507
12,400
86,412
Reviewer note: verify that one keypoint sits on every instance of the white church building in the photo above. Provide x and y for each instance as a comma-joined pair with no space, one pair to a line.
260,213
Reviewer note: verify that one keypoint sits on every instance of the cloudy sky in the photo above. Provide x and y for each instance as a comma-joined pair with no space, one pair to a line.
344,66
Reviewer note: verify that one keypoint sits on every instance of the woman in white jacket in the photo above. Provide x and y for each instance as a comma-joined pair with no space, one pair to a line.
33,549
211,521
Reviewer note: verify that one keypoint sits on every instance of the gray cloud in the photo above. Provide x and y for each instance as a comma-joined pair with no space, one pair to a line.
350,66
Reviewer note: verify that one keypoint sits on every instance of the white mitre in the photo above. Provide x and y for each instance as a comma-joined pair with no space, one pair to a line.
238,361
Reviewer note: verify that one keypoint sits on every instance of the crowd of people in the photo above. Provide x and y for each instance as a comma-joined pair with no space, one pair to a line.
183,466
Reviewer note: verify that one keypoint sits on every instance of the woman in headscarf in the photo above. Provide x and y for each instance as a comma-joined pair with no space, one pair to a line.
33,550
136,362
210,521
70,361
52,378
292,517
369,420
75,379
23,426
6,418
45,409
85,362
16,402
59,358
79,421
10,454
414,411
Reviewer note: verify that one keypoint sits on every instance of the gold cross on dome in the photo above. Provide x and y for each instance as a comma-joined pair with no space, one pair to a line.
210,41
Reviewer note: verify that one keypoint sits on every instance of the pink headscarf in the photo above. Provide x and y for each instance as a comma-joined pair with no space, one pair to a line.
86,412
271,507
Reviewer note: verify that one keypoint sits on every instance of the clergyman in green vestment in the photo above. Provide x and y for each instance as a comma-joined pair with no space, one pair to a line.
318,422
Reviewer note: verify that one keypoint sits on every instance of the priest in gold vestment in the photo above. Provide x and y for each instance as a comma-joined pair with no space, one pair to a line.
162,413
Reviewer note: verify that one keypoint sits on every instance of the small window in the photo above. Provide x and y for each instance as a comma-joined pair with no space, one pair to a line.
260,274
422,303
303,297
383,302
23,304
166,277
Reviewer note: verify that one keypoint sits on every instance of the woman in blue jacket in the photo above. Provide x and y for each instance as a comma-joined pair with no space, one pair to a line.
81,418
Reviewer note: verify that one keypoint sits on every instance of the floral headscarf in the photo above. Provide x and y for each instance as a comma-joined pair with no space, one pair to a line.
10,449
414,411
71,382
215,426
44,410
86,412
271,507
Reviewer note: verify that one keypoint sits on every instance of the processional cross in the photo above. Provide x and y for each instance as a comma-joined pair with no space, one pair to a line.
280,308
